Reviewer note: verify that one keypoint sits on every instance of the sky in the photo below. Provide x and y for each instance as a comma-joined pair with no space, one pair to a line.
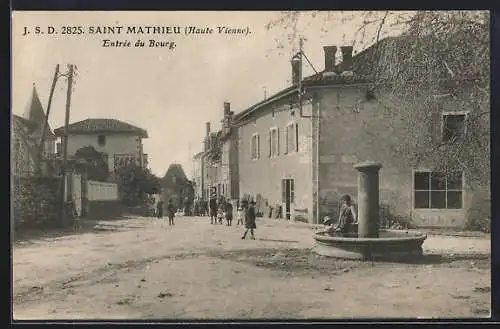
170,93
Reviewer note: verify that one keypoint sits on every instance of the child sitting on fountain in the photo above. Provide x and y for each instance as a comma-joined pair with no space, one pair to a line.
347,215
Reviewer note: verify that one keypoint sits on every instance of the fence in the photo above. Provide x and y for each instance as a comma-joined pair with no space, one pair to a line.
100,191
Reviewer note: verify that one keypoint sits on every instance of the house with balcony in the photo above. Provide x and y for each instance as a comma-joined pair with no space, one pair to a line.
296,150
119,143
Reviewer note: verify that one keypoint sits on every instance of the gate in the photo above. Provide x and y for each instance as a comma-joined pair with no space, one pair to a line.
76,192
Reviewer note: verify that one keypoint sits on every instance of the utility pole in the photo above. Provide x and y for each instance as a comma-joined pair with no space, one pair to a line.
46,121
65,143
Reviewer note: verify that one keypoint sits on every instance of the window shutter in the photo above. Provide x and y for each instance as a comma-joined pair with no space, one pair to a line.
286,140
283,190
270,143
258,146
296,137
278,141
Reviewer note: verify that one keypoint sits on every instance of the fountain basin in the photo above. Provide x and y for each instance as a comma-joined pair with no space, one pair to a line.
389,246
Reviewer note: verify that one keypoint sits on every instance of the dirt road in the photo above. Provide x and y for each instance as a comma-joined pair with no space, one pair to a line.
142,268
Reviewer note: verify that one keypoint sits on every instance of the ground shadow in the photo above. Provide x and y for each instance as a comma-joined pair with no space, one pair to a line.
25,236
274,240
436,259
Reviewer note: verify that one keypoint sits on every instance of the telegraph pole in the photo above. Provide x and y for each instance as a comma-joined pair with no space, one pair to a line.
45,123
65,143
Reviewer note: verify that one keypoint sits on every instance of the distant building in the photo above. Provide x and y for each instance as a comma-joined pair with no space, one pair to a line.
176,186
198,176
118,142
220,159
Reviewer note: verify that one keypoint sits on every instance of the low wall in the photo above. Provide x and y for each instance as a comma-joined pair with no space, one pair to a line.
98,210
36,201
101,191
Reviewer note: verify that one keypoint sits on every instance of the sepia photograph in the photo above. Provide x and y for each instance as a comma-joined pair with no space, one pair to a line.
250,165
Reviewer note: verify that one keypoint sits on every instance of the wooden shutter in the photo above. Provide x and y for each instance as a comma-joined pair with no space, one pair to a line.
270,143
283,190
296,137
286,140
278,141
258,146
292,191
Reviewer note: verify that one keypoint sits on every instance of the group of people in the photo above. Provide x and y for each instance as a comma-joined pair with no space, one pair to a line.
223,210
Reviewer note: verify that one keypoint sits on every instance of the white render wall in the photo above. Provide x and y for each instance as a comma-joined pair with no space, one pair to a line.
115,144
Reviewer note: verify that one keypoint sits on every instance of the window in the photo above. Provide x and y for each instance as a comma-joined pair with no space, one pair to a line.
101,140
255,146
274,142
454,125
434,190
292,138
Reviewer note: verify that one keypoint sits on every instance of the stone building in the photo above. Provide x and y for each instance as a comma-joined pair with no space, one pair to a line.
26,136
220,159
296,152
198,176
177,187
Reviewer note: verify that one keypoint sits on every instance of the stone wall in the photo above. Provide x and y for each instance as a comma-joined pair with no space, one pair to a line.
36,201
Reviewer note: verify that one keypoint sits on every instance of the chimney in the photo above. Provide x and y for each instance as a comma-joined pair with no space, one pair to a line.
296,69
208,128
330,52
346,60
227,108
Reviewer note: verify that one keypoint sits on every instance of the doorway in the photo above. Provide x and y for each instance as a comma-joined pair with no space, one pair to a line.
288,196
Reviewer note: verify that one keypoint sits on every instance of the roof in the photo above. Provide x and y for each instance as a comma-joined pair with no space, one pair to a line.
30,125
198,155
174,170
101,125
383,61
34,112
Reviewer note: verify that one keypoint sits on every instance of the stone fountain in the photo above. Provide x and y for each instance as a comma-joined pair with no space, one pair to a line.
370,243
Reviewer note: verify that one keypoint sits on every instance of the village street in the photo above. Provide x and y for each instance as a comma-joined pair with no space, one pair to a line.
142,268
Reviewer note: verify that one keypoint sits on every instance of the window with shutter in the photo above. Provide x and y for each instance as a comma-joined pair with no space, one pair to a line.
291,137
274,142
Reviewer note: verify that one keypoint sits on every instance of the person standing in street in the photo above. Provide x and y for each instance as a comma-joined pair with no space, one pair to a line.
213,211
250,224
229,212
240,213
170,212
159,209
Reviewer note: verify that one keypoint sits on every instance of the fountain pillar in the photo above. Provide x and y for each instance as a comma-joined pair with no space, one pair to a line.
368,199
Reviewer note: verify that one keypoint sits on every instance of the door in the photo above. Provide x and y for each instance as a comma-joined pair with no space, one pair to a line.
288,195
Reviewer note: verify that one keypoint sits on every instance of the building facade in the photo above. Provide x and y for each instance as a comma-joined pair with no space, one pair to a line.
118,142
198,176
296,152
177,187
220,159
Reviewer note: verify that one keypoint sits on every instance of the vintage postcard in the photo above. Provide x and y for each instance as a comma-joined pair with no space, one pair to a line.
262,165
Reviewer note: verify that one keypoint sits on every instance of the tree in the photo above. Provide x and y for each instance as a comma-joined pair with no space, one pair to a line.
98,168
135,182
437,58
